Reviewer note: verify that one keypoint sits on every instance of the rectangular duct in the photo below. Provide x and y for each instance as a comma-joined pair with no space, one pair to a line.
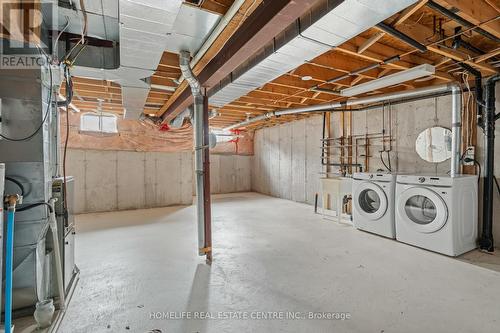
324,27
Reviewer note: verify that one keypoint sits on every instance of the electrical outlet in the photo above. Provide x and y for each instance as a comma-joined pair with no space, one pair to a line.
470,153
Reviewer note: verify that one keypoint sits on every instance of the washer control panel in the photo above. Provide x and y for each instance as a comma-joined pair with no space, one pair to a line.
427,180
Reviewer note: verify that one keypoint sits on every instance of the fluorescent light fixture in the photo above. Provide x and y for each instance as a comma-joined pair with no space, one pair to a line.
390,80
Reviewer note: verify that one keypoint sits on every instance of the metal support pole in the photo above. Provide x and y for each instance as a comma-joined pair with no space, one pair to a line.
206,183
201,158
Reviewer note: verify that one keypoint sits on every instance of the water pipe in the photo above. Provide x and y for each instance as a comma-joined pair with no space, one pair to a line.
11,201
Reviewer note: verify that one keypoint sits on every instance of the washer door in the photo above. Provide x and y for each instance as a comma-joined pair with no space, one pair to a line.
371,201
422,209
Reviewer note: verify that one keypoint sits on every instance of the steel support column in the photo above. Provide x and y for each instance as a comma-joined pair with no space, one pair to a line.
206,183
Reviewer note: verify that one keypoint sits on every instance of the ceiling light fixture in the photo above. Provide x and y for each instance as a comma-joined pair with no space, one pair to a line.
307,78
390,80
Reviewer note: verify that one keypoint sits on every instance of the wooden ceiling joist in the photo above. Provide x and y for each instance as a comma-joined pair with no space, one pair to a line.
370,41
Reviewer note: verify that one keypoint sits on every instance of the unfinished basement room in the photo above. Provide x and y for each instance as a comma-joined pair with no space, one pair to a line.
211,166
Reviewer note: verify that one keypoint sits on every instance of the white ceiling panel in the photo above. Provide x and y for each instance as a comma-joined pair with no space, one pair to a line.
340,24
191,27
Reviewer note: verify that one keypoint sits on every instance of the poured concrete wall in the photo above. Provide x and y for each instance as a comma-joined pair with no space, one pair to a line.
287,160
230,173
121,180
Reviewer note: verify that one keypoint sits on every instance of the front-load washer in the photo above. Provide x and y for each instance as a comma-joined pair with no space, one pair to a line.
373,203
437,213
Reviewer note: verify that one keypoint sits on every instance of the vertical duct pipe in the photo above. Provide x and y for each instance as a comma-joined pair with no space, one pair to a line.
206,174
486,242
199,149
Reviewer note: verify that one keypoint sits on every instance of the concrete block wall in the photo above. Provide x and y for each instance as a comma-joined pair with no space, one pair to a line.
121,180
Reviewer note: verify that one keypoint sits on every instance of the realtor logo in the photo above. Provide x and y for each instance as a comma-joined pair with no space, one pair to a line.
26,31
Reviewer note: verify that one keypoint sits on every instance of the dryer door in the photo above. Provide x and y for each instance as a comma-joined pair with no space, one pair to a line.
422,209
371,201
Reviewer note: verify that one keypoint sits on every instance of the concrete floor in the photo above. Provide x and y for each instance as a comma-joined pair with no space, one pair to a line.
270,255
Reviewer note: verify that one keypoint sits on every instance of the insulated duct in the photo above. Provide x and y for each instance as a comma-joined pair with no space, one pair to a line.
327,25
456,110
143,32
178,121
199,148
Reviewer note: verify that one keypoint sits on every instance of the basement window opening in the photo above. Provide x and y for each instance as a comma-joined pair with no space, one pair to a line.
100,123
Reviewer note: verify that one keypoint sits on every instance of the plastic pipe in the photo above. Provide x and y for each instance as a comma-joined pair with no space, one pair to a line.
486,242
9,254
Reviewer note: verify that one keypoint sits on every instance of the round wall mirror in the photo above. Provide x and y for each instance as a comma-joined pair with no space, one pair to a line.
434,144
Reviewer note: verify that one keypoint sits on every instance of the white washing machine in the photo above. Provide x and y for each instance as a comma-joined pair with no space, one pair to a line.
437,213
373,203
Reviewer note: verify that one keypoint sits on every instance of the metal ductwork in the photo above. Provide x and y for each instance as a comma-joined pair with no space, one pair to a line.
200,130
456,110
178,121
143,30
328,24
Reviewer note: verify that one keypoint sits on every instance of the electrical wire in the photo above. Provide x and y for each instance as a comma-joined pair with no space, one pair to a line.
389,160
82,40
476,163
479,167
38,204
85,20
383,162
17,182
69,97
61,32
47,112
496,182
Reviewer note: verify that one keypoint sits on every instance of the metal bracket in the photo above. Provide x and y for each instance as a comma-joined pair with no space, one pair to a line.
206,249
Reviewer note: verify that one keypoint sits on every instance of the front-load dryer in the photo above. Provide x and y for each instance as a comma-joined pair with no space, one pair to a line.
437,213
373,203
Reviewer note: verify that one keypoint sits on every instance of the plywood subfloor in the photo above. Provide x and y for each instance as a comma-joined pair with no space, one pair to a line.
270,255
